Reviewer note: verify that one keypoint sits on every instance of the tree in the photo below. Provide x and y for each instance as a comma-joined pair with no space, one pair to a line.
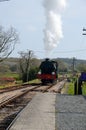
24,64
3,0
8,39
62,67
81,67
28,65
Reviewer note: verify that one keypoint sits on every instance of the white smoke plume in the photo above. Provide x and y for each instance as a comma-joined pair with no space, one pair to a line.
53,28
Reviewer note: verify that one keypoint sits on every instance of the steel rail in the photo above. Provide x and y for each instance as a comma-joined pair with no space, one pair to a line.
21,93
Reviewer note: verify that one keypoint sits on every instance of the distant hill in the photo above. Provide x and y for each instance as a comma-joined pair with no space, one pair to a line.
65,64
70,62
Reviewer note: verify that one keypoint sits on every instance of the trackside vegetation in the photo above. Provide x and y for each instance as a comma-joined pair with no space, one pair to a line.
70,88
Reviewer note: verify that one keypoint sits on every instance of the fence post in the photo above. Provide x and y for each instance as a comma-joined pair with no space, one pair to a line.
79,87
76,87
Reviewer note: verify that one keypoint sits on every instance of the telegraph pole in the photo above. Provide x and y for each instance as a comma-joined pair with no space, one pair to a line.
73,65
28,64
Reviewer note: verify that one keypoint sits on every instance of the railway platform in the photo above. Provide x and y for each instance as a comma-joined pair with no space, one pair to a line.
50,111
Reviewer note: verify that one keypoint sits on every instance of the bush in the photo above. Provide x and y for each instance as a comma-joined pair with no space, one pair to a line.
31,75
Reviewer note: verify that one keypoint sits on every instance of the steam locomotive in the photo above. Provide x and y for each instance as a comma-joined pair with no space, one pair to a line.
48,71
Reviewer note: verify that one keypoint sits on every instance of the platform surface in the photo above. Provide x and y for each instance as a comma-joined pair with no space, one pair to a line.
39,114
49,111
70,112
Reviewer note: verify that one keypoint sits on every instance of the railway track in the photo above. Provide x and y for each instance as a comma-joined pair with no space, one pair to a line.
16,87
18,99
10,95
10,110
57,87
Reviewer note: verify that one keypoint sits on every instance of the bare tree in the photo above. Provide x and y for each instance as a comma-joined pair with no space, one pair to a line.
8,39
3,0
24,63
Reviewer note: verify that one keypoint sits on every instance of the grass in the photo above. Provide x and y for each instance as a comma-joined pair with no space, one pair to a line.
19,82
70,90
1,86
9,75
35,81
84,88
13,75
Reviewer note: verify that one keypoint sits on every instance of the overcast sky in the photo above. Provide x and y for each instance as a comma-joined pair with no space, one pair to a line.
28,18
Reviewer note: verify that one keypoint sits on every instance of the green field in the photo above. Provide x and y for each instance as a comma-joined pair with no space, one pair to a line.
4,84
14,75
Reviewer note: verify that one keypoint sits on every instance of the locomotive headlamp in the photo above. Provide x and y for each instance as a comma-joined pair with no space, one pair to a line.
53,73
39,72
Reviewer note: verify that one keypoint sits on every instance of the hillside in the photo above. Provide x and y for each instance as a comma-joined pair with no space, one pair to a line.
65,64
